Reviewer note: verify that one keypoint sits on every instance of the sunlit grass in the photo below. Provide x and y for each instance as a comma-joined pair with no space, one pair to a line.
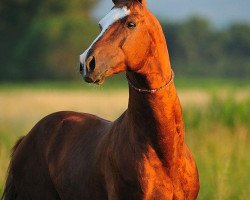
223,162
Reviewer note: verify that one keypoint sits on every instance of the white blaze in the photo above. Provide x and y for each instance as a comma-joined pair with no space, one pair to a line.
113,16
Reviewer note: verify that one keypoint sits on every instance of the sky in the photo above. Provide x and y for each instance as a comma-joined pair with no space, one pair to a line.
219,12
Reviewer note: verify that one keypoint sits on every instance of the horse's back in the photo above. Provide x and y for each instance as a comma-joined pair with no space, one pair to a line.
57,156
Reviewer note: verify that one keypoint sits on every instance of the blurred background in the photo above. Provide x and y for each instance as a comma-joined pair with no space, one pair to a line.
209,45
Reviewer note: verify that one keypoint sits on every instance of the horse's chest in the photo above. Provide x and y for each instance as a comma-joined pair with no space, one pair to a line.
143,179
163,183
155,180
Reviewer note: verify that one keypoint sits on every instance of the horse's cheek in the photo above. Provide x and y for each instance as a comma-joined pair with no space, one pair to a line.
135,52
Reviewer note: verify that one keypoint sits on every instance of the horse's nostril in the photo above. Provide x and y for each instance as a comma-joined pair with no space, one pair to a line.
91,63
81,67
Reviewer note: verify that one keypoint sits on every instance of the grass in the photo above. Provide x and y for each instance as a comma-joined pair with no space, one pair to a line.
219,135
119,82
216,117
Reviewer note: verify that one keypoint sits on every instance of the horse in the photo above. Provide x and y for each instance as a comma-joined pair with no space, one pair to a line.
142,155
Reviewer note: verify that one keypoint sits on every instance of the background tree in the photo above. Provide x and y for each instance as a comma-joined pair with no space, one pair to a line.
41,39
198,49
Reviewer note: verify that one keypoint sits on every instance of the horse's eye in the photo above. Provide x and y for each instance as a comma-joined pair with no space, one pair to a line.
131,25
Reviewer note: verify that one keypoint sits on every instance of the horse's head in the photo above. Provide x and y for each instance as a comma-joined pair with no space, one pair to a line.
128,34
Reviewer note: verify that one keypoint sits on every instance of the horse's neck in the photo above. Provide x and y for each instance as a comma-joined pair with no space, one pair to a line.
157,117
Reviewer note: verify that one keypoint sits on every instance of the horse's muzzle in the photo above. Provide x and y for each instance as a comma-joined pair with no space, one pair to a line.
91,77
98,80
90,73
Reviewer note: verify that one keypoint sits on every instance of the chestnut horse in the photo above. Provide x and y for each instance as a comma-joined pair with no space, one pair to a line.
141,155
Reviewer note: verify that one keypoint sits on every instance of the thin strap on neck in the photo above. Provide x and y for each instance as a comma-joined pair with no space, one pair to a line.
151,91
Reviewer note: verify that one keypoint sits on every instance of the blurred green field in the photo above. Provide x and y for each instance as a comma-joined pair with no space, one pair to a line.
216,116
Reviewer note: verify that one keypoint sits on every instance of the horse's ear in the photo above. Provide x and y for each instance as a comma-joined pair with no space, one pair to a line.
143,2
115,1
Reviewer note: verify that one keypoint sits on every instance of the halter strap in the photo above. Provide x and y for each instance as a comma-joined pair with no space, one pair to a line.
151,91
